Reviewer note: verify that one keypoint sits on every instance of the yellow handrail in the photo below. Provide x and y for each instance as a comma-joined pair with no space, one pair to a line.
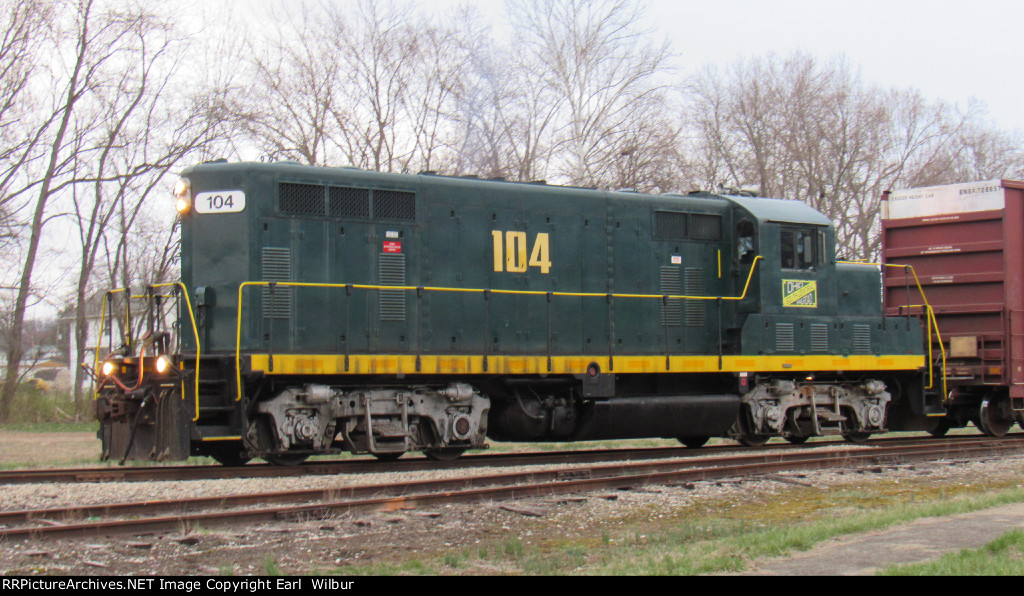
243,285
931,321
99,336
195,335
195,330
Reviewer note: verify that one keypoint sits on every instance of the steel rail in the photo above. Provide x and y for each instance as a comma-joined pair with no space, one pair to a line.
369,465
396,496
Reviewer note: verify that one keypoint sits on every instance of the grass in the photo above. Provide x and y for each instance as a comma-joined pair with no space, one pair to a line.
270,566
84,426
725,544
89,426
1002,556
34,404
722,536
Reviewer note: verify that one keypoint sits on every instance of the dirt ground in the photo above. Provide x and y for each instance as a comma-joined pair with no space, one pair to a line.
478,536
31,449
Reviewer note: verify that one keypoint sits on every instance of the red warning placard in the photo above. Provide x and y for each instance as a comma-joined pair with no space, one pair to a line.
392,246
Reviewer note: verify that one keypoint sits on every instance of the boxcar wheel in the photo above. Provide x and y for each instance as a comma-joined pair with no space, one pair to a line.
694,442
995,417
856,437
797,439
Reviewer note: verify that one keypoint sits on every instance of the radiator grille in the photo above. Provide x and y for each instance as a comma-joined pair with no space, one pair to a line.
277,266
392,204
705,227
670,224
302,199
349,202
687,226
340,201
391,269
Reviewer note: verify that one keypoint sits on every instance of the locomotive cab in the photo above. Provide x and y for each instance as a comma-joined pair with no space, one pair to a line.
815,321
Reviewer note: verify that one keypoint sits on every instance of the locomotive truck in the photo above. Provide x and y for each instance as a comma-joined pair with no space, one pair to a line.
332,309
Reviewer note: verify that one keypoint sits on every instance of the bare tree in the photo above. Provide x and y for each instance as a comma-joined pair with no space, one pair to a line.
92,40
24,30
290,109
380,44
103,132
650,155
509,117
600,64
434,88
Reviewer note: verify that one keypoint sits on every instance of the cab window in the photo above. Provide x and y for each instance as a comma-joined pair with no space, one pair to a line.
746,242
799,248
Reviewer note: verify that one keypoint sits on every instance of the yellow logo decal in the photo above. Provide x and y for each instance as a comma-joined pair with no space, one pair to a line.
800,293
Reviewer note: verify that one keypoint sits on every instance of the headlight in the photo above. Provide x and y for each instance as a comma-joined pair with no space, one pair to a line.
107,368
182,195
162,364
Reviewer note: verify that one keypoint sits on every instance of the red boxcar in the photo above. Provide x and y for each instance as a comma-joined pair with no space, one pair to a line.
965,243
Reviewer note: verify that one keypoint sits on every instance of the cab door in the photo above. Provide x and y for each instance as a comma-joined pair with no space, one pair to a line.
802,263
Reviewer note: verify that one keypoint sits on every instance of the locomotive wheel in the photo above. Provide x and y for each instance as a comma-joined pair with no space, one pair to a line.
443,454
860,437
231,459
754,440
392,456
797,439
694,442
995,417
941,428
286,459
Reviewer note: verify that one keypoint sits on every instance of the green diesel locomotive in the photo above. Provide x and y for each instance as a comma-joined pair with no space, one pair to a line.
333,309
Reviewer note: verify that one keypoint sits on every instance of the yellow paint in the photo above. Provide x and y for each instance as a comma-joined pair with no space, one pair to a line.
510,251
334,364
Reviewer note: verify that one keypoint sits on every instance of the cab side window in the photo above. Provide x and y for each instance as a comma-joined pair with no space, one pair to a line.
799,248
746,242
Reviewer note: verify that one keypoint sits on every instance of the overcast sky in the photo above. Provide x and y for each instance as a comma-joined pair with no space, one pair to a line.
948,49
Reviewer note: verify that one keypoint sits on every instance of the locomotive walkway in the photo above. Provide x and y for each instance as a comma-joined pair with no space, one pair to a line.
913,542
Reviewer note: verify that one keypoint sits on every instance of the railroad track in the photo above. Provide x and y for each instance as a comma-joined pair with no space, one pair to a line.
409,464
185,514
348,466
